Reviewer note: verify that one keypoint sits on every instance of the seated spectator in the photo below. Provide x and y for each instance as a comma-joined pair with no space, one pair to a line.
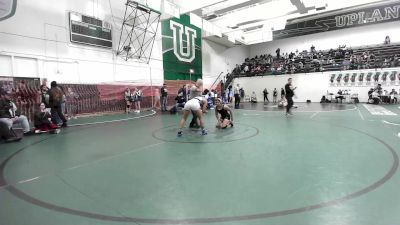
393,96
10,115
346,64
42,121
253,98
246,69
6,134
339,96
387,40
374,98
370,93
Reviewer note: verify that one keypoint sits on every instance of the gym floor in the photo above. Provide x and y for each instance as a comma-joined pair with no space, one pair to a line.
328,164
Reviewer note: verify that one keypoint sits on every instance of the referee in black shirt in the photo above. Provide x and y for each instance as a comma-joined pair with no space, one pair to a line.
289,96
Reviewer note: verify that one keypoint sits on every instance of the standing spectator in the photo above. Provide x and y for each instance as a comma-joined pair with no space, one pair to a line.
64,99
275,96
236,92
278,53
229,94
55,100
242,94
72,97
128,100
387,40
157,98
289,90
282,92
44,83
138,97
9,114
44,96
213,95
265,92
183,92
164,98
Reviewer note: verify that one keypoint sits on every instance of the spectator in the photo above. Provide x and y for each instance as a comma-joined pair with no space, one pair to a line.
55,100
44,83
44,95
282,93
313,49
339,96
275,96
242,94
253,98
128,100
265,92
229,94
289,90
246,69
393,96
180,100
71,97
64,99
42,121
387,40
137,98
164,98
278,53
10,115
184,92
236,92
157,98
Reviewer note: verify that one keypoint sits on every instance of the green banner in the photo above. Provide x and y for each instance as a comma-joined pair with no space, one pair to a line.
181,45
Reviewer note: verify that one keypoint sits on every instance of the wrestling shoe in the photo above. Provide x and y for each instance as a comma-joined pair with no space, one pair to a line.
179,134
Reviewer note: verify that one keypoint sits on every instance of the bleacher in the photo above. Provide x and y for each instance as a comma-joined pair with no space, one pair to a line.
342,58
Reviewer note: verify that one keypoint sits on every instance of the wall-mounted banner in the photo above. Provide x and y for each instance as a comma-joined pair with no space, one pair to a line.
181,44
355,18
387,78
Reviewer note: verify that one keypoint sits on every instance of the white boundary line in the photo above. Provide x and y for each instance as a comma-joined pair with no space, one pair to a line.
359,113
394,124
112,156
336,110
28,180
90,163
312,116
112,121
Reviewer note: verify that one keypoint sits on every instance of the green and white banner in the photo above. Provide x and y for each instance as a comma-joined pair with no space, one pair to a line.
181,45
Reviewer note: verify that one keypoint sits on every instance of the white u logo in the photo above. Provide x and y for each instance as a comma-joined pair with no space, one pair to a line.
191,34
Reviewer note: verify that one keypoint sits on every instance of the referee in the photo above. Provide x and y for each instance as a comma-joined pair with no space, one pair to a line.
289,96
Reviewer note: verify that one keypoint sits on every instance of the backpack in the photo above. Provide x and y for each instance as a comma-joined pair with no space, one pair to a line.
57,95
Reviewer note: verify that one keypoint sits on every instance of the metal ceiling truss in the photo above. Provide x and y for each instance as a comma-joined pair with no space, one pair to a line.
138,32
